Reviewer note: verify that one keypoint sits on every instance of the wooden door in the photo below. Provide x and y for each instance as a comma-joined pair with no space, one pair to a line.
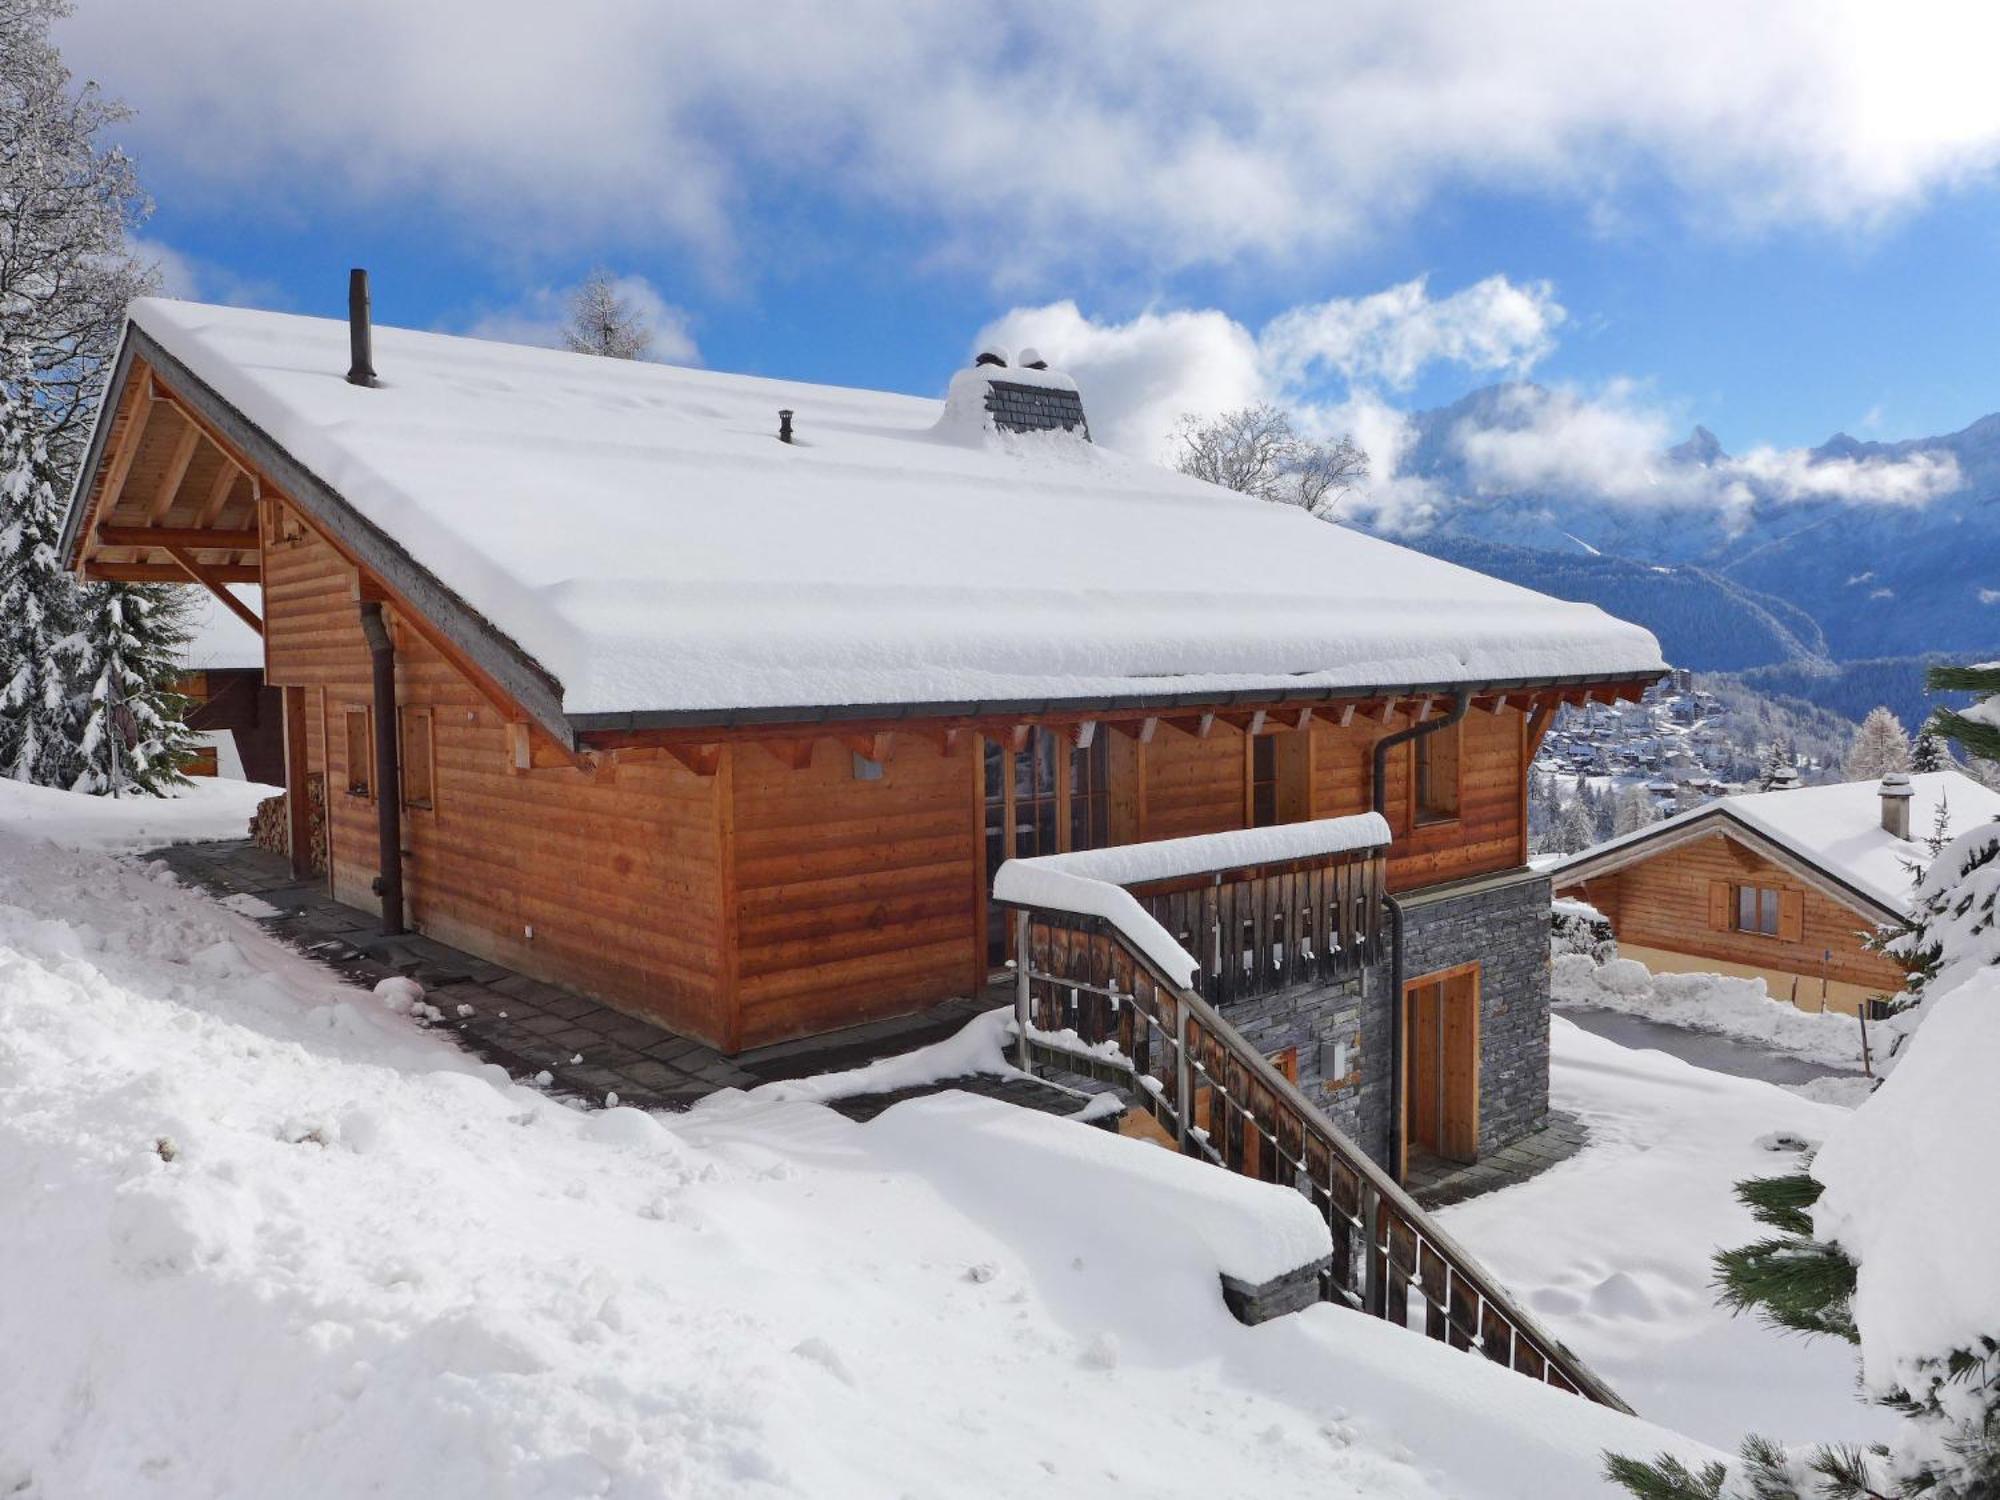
1441,1064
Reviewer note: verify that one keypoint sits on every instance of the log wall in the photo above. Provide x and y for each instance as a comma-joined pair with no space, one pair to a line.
1664,902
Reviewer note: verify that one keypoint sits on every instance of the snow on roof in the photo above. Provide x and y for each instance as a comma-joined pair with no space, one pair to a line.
1838,828
640,532
219,639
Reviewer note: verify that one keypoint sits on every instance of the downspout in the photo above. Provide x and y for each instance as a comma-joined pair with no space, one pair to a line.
1461,701
388,775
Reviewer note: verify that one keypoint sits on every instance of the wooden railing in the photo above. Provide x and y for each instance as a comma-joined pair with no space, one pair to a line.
1257,929
1083,981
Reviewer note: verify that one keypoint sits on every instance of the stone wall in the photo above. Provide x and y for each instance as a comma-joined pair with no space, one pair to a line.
1504,928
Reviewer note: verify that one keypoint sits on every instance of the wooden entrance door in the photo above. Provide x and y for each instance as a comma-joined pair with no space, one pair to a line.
1441,1064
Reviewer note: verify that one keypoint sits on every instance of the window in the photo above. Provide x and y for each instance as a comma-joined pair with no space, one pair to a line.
1757,910
1263,781
1090,792
360,754
417,758
1437,776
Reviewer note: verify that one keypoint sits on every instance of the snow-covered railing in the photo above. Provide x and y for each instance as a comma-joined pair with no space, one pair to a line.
1104,989
1230,915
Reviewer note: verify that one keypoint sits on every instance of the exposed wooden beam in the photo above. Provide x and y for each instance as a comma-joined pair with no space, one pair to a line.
175,536
700,759
121,461
1346,714
1538,726
793,755
176,471
201,575
114,572
1198,725
1017,737
1304,718
1082,733
877,747
218,491
520,745
1141,730
1382,711
1497,704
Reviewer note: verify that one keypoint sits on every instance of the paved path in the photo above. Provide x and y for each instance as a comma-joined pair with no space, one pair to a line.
588,1049
1705,1049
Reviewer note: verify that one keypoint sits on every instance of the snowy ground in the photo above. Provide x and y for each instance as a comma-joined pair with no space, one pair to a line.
1718,1003
211,807
1612,1246
268,1237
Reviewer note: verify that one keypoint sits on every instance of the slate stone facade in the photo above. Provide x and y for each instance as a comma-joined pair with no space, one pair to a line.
1503,926
1035,408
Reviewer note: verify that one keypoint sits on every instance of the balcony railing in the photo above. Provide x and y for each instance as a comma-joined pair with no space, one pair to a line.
1105,989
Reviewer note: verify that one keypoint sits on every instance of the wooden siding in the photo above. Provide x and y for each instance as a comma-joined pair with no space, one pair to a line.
854,898
608,881
1196,785
1664,902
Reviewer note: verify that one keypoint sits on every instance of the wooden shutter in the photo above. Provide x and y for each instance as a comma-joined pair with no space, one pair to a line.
1719,900
1792,916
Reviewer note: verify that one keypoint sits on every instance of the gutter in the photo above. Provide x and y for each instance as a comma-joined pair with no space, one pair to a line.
1383,746
388,774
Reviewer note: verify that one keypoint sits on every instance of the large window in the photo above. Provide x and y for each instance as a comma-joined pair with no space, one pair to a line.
1437,775
1757,910
1048,796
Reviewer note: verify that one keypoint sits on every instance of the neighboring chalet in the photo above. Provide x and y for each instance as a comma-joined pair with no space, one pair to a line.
725,698
240,722
1781,886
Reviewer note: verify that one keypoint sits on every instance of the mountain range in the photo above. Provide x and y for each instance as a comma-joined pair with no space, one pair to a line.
1839,600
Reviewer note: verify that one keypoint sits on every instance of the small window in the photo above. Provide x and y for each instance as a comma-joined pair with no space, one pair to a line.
360,754
1263,781
417,759
1757,910
1437,776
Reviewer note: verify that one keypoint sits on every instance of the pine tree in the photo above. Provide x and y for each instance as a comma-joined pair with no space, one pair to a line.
1880,745
39,605
1927,753
1779,766
603,320
1975,729
134,737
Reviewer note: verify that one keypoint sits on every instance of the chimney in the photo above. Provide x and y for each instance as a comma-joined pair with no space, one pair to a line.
360,330
1896,795
784,424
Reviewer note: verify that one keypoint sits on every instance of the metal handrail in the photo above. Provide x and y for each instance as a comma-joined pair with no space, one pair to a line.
1391,1266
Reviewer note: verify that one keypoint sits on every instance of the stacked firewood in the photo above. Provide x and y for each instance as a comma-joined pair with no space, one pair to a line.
270,825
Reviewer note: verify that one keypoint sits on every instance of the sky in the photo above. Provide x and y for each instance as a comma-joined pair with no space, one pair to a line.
1778,221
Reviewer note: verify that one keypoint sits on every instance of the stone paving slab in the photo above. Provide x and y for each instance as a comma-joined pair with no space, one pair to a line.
530,1027
1438,1184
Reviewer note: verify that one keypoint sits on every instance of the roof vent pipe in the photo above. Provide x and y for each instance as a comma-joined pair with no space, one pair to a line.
990,357
360,330
1031,359
784,424
1896,793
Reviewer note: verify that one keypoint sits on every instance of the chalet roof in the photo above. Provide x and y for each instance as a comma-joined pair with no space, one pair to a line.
1833,831
640,534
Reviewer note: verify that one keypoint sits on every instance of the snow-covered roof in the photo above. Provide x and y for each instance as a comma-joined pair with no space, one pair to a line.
1835,829
639,532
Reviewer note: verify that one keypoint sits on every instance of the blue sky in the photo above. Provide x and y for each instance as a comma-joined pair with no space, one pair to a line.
1778,225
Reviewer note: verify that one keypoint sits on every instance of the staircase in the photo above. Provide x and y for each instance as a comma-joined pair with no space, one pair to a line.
1104,990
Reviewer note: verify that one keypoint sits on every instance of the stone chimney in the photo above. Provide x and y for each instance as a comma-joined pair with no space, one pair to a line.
1896,795
1022,396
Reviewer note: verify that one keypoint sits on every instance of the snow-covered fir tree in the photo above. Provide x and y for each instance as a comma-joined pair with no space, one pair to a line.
1779,766
1880,745
39,601
134,737
604,320
1927,752
1632,810
1976,727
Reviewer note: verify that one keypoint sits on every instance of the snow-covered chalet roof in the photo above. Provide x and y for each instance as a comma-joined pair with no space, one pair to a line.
1835,830
640,533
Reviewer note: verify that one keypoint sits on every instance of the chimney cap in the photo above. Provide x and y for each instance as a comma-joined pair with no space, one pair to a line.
992,354
1896,784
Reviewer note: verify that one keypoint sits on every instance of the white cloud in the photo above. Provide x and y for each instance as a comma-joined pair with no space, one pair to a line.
1033,136
538,318
193,279
1494,325
1324,362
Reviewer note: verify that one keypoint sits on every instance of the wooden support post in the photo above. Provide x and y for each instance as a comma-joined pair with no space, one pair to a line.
206,579
1023,992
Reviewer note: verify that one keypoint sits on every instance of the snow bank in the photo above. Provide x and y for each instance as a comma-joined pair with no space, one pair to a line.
1611,1248
692,561
1910,1192
1718,1003
212,807
277,1239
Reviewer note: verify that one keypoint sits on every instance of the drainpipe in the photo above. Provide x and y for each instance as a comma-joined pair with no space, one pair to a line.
388,777
1461,701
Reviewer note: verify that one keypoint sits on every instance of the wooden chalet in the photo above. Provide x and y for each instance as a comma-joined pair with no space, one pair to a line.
723,699
1783,886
